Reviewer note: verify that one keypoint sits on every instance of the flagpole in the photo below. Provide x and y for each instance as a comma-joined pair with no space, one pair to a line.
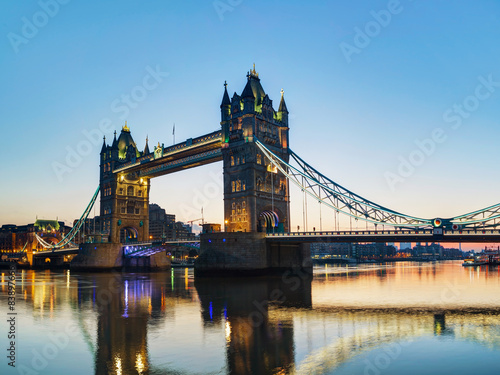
173,132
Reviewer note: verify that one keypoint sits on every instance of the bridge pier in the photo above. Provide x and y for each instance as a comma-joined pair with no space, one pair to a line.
42,262
98,256
155,262
107,256
249,253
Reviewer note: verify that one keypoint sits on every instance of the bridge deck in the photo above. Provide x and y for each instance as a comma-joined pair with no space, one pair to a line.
427,235
71,250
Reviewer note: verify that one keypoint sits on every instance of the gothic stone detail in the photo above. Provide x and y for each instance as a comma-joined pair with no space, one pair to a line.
124,197
253,187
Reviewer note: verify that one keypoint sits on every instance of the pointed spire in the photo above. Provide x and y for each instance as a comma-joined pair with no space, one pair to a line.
103,149
247,91
146,148
225,98
282,107
115,143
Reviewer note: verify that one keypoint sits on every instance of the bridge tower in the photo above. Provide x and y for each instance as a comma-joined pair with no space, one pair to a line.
124,196
256,194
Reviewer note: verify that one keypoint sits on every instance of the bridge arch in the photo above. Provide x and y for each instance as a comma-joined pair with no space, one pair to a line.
128,234
269,219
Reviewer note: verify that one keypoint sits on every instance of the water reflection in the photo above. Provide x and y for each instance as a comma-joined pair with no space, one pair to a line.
255,342
171,323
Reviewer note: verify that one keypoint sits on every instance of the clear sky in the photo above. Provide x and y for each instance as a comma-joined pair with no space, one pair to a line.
364,81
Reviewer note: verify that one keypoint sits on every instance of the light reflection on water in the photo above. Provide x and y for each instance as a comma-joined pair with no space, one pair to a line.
372,319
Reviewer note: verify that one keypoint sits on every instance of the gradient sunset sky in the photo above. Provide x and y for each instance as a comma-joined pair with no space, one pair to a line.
365,82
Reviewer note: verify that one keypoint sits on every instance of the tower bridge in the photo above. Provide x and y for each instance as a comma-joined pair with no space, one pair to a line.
252,141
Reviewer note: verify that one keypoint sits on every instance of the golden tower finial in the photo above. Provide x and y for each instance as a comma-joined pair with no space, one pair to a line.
282,92
253,72
126,128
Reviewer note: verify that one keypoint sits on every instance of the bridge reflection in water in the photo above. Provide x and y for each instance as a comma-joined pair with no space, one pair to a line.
169,323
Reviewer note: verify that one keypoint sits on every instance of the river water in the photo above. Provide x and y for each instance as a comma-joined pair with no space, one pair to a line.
398,318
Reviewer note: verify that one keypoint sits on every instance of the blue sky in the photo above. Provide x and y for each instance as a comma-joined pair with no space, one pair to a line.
355,117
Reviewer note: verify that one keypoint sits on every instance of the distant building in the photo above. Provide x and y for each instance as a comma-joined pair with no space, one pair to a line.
14,238
211,228
183,231
348,250
161,224
405,246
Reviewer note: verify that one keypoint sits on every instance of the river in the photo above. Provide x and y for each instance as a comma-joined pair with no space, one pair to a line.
396,318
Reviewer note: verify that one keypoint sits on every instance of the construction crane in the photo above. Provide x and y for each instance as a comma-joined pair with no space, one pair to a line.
202,220
191,221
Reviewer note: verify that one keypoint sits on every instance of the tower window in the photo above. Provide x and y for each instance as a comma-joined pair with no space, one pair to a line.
233,186
259,159
232,161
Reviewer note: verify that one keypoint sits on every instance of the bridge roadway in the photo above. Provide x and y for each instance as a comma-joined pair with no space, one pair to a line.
48,253
188,154
405,235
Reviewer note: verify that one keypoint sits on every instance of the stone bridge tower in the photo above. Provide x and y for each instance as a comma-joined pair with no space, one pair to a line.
124,196
256,195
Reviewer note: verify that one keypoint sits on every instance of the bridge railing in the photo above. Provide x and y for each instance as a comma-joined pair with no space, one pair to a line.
423,232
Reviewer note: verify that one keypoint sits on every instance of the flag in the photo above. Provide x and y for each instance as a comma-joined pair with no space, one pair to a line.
173,129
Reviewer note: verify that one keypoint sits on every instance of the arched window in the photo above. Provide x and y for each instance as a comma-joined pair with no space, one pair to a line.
130,190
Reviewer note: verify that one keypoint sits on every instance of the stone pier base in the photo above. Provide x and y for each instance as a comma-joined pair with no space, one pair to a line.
156,262
98,256
108,256
248,254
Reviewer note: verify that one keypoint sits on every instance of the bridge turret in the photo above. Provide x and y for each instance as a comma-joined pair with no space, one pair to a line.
255,193
225,114
127,149
114,149
104,146
248,99
146,148
225,106
282,114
